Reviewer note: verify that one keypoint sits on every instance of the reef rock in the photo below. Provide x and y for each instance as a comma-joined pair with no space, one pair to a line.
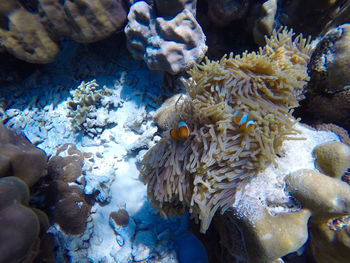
222,12
301,15
171,43
330,62
329,88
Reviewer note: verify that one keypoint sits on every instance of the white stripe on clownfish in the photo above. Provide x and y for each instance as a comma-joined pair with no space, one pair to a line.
242,120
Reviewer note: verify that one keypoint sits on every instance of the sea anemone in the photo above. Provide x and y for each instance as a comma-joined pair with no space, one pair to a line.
201,173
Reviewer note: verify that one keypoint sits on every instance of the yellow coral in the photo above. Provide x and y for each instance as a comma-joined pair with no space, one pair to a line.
202,173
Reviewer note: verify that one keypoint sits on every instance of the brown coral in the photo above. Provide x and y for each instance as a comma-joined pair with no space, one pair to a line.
201,173
18,157
70,207
19,225
121,217
33,36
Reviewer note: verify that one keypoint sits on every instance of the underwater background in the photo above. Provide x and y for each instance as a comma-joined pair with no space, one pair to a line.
174,131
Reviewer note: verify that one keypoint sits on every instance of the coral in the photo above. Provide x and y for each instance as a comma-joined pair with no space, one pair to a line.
265,223
83,21
71,208
90,110
66,165
33,35
330,61
330,240
265,24
341,16
121,217
319,193
222,12
202,173
329,94
65,197
301,15
268,237
341,132
328,199
18,157
172,44
22,34
19,225
332,158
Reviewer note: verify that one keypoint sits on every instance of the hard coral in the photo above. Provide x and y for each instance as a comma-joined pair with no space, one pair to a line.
329,92
18,157
90,110
70,207
19,225
33,35
328,199
202,173
170,43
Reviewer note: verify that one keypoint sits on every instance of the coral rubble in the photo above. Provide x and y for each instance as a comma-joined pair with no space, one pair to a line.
202,173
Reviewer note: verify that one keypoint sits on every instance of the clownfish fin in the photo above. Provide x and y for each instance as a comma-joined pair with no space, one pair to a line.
236,117
174,134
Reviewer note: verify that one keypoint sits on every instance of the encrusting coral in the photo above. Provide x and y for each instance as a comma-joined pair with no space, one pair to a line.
202,172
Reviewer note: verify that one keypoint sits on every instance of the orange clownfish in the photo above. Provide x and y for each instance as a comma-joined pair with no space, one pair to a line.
182,131
243,121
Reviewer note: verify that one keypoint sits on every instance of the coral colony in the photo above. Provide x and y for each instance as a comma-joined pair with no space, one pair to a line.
174,131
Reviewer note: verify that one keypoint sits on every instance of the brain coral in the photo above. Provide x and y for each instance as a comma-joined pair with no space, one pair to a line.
202,172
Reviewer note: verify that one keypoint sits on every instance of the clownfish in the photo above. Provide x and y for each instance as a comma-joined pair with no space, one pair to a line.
244,122
181,132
